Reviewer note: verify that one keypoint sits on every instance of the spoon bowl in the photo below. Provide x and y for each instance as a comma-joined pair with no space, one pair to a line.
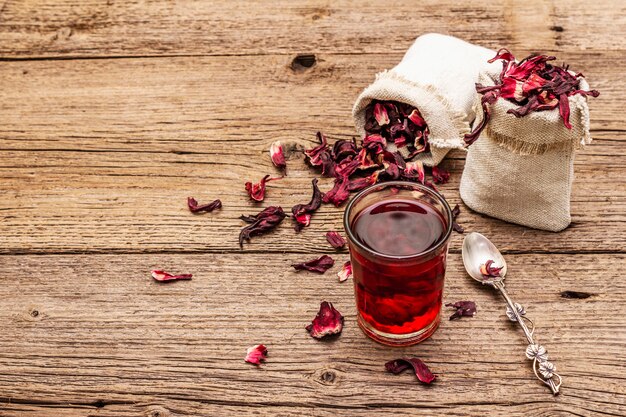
477,250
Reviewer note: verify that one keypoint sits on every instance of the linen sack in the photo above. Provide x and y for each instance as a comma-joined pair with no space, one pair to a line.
521,169
437,76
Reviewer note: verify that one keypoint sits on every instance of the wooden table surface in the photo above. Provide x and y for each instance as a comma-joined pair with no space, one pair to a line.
112,113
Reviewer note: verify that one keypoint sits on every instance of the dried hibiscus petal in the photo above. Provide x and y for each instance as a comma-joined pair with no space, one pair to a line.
358,184
257,191
414,171
194,207
374,143
163,276
256,354
339,193
347,167
277,155
321,155
463,309
345,272
490,271
365,160
343,149
380,114
455,213
328,321
440,175
335,240
416,118
319,265
302,212
261,223
421,370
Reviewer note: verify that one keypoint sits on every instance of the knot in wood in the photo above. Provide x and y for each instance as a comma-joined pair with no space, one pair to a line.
328,377
157,411
302,62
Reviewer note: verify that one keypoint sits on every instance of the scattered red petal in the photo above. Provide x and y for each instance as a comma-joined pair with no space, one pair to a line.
490,271
257,191
335,240
163,276
319,265
302,212
328,321
421,370
321,155
345,272
440,175
261,223
339,193
455,213
463,309
256,354
358,184
277,155
194,207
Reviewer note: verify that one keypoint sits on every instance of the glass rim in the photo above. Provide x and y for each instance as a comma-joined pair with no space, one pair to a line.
421,187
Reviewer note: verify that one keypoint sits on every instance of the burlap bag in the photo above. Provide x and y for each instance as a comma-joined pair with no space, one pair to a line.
521,169
437,75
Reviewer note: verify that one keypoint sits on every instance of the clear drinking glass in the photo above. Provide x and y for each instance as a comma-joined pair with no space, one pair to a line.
398,234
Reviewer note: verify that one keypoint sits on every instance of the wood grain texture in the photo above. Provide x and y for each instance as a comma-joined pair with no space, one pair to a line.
96,331
112,113
42,28
95,164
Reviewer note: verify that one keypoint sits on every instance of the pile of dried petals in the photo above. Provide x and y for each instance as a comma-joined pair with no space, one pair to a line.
355,167
399,123
534,84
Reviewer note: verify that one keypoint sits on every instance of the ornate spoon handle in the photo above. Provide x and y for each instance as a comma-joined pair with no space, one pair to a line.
544,370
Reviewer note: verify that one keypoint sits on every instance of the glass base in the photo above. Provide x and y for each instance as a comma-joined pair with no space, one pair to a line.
391,339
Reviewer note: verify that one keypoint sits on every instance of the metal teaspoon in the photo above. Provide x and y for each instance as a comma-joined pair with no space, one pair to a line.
477,250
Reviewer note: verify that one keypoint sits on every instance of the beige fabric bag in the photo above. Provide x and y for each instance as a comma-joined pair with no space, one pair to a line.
521,169
437,75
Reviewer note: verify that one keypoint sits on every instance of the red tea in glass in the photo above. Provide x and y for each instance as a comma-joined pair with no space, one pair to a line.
398,235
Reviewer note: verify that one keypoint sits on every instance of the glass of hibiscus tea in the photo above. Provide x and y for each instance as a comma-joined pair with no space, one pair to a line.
398,233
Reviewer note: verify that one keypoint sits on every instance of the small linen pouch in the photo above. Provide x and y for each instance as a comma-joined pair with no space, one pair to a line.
437,76
521,169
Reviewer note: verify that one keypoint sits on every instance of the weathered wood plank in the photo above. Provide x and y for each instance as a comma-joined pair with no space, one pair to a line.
155,104
95,331
138,28
89,164
136,202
